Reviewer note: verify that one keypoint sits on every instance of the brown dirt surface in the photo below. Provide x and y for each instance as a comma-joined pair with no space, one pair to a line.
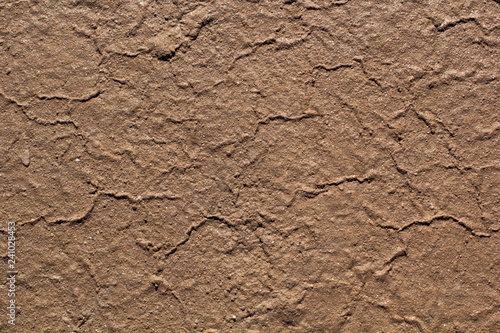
251,166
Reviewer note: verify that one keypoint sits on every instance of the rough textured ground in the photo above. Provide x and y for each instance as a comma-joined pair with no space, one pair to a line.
252,166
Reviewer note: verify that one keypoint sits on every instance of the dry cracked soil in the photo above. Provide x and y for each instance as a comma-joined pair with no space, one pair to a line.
251,166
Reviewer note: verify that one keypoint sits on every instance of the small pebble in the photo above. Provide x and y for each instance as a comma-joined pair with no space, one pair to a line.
25,157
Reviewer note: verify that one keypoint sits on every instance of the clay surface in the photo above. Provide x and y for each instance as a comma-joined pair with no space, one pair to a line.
251,166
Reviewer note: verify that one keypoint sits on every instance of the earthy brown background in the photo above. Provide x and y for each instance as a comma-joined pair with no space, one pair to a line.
252,166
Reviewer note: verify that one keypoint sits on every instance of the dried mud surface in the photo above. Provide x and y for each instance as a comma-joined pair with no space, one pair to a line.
252,166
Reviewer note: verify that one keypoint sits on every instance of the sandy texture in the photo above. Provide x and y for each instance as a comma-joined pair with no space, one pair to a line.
252,166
